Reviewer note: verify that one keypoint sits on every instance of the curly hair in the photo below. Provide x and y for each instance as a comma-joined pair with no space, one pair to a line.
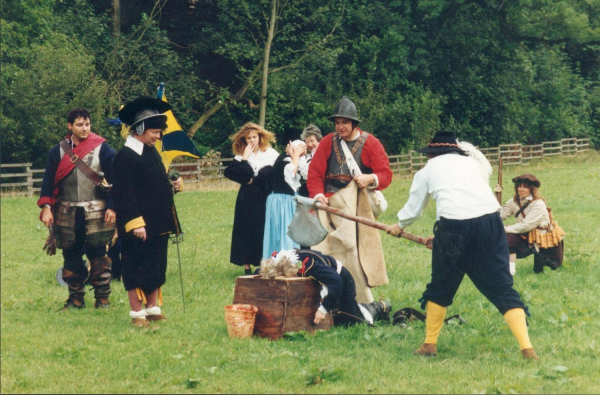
270,269
311,130
78,112
266,138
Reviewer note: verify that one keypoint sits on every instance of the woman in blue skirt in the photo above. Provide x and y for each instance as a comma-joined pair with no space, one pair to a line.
289,168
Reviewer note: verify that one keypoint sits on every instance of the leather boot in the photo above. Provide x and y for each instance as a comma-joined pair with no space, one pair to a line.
140,323
76,284
529,353
380,311
426,350
157,317
100,275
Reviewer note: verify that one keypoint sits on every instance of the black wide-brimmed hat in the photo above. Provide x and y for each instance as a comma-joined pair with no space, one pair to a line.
528,178
443,142
345,108
145,112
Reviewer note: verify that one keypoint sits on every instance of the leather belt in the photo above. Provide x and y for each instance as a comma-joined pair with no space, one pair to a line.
341,177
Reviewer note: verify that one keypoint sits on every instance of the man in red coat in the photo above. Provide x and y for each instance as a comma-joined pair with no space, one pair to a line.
331,181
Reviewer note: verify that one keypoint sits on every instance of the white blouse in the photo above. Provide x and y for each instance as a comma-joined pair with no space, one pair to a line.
536,215
260,159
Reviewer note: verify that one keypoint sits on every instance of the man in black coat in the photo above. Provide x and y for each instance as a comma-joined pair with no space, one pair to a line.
146,216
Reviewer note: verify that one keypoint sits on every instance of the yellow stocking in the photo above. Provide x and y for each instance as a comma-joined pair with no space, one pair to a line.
515,318
434,322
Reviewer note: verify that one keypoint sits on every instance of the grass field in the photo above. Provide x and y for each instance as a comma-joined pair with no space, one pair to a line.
92,351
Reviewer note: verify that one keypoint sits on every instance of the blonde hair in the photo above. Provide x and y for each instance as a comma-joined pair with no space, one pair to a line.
270,269
239,139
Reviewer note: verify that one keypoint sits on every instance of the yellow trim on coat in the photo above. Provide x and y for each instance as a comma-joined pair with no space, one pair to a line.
134,224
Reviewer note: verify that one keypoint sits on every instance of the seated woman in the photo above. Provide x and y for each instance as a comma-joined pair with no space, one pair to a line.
338,292
533,228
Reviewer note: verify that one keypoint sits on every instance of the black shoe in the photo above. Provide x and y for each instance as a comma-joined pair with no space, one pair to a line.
102,303
73,304
380,311
385,309
248,272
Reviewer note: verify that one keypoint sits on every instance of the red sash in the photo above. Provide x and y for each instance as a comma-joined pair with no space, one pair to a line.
83,148
65,166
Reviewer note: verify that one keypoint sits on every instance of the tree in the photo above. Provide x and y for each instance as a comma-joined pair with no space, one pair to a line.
285,37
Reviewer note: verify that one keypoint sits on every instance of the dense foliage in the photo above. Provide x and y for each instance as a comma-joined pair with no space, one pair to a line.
494,71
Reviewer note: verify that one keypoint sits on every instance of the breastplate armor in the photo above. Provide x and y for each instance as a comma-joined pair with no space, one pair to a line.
77,187
335,167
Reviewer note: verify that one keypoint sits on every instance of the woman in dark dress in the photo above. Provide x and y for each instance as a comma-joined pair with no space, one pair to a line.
251,168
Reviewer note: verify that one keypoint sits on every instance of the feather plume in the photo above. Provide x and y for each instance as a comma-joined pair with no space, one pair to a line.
484,164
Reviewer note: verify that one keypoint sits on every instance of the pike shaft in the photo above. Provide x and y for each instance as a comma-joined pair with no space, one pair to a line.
368,222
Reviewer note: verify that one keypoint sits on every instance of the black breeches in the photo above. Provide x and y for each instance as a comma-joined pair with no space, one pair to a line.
73,256
478,248
348,311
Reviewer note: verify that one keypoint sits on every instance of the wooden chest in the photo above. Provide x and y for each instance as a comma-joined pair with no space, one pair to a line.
284,304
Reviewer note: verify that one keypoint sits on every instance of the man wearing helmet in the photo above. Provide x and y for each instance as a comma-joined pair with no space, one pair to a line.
145,208
332,181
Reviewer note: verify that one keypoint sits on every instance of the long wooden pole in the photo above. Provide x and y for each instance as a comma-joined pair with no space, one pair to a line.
369,222
499,194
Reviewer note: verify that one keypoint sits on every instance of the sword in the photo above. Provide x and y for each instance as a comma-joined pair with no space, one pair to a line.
176,240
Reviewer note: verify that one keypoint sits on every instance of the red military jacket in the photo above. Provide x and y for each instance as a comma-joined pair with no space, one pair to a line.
373,156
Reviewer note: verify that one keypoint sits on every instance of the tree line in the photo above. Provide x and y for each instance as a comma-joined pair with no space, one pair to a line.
494,71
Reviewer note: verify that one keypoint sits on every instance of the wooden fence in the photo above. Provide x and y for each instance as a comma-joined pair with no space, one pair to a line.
21,179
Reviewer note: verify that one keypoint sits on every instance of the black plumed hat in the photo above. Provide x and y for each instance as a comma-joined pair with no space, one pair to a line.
145,112
442,143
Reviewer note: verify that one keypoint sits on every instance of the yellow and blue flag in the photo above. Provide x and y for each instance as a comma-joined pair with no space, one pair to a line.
175,141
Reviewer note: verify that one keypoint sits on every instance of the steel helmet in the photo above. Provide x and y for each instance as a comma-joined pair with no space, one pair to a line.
345,108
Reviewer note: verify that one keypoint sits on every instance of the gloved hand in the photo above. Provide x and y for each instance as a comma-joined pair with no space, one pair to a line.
50,245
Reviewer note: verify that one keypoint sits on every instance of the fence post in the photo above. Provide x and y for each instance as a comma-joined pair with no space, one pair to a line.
29,181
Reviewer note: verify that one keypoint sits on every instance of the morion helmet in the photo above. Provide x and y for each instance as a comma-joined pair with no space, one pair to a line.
345,108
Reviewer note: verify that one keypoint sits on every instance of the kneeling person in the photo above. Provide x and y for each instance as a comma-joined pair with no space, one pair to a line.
338,291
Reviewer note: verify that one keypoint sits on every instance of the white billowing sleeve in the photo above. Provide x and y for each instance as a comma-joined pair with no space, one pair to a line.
417,201
291,176
509,209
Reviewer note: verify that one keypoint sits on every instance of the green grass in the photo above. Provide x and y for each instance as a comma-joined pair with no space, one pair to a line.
92,351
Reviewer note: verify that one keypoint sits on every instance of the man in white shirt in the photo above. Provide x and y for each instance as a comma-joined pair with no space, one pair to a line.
469,239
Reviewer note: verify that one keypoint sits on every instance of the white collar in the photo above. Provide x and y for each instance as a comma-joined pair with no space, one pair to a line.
136,145
352,139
